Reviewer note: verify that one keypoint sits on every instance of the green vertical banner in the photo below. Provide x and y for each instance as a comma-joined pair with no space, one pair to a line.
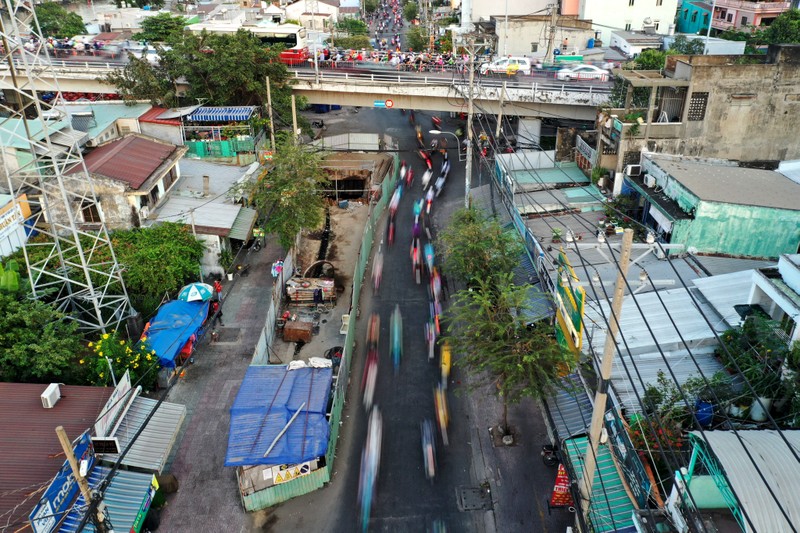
570,300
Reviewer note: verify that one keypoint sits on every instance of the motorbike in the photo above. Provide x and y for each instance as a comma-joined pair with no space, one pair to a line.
442,413
410,177
426,178
377,272
428,449
396,340
437,122
445,360
416,260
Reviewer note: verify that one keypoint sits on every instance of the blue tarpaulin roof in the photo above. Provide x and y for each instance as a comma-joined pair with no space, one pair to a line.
268,398
222,114
173,325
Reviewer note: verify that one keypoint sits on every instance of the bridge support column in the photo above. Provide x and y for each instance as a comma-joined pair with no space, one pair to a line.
529,131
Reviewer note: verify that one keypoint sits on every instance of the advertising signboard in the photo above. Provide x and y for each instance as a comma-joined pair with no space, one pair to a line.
57,499
570,298
113,406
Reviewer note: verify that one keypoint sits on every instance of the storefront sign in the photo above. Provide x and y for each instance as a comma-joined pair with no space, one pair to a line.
58,498
284,473
142,514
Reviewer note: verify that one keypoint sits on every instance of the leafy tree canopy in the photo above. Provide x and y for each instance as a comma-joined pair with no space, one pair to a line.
784,29
357,42
289,195
353,26
651,59
140,80
56,21
488,327
476,247
37,342
162,28
417,41
410,11
370,6
682,45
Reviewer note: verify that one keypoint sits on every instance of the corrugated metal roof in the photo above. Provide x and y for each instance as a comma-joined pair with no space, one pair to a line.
242,228
154,117
151,449
210,218
769,454
268,398
222,114
644,370
725,291
634,325
126,495
31,454
570,407
132,159
611,508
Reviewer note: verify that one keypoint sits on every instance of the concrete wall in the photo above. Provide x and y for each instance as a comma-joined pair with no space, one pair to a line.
483,9
115,207
740,230
524,34
608,14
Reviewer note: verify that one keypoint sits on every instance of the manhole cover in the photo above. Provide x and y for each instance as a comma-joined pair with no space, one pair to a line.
474,499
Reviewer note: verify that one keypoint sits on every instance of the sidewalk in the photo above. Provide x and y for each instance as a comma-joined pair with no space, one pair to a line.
208,499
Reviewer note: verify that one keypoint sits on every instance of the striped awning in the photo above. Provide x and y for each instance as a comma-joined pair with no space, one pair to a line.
222,114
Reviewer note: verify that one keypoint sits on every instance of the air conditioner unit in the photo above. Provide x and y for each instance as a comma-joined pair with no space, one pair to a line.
144,212
51,395
650,181
633,170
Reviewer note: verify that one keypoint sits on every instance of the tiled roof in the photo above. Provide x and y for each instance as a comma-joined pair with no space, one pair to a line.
132,159
31,452
152,117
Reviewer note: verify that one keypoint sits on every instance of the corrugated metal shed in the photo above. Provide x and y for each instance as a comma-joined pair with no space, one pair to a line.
644,368
769,454
127,493
570,408
242,227
132,159
151,449
31,454
210,218
268,398
611,508
725,291
222,114
634,325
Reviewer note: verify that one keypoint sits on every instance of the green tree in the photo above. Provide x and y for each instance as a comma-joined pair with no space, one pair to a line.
357,42
476,247
370,6
140,80
488,328
134,357
289,194
682,45
783,30
162,28
38,344
55,21
651,59
352,26
416,40
169,245
410,11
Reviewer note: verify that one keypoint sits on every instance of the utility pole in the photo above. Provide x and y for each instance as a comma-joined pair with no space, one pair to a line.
710,23
500,114
595,430
100,521
471,50
548,57
295,133
271,122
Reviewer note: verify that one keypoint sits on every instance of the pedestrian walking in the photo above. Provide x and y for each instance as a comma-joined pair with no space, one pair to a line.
218,290
216,313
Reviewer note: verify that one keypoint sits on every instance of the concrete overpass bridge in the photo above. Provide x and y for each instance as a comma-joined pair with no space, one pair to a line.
527,96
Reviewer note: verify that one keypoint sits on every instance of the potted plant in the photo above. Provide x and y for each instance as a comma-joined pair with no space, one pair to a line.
557,233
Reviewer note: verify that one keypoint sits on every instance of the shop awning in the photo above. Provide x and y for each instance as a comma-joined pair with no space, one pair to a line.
611,509
127,500
151,449
570,408
267,400
222,114
242,227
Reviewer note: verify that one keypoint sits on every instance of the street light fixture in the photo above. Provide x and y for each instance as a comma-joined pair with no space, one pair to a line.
458,141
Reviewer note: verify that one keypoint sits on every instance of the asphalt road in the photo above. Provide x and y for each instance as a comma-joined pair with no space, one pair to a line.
405,500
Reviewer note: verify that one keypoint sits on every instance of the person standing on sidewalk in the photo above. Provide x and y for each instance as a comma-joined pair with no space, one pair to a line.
216,313
217,290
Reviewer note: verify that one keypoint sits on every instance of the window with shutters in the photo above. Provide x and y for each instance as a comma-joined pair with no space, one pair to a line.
90,213
697,106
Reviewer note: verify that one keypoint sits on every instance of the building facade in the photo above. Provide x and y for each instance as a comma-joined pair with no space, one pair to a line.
628,15
528,35
693,17
738,14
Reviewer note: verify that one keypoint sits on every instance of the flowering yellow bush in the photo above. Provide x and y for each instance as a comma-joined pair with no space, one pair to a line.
137,358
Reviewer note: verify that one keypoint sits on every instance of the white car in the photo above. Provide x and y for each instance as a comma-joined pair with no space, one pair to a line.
505,65
582,72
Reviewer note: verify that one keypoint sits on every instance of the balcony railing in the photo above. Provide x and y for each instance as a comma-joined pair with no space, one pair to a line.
754,7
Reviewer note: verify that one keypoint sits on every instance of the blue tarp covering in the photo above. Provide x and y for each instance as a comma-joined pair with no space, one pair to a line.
267,400
222,114
173,325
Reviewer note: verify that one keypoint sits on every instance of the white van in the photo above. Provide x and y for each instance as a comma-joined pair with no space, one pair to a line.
502,65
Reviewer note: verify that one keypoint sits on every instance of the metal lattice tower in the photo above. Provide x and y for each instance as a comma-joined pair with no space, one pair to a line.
72,262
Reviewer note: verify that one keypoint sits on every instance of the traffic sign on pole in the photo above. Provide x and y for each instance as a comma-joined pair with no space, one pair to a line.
379,103
389,104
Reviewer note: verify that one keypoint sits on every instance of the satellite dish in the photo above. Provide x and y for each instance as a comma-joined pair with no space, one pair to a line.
648,21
